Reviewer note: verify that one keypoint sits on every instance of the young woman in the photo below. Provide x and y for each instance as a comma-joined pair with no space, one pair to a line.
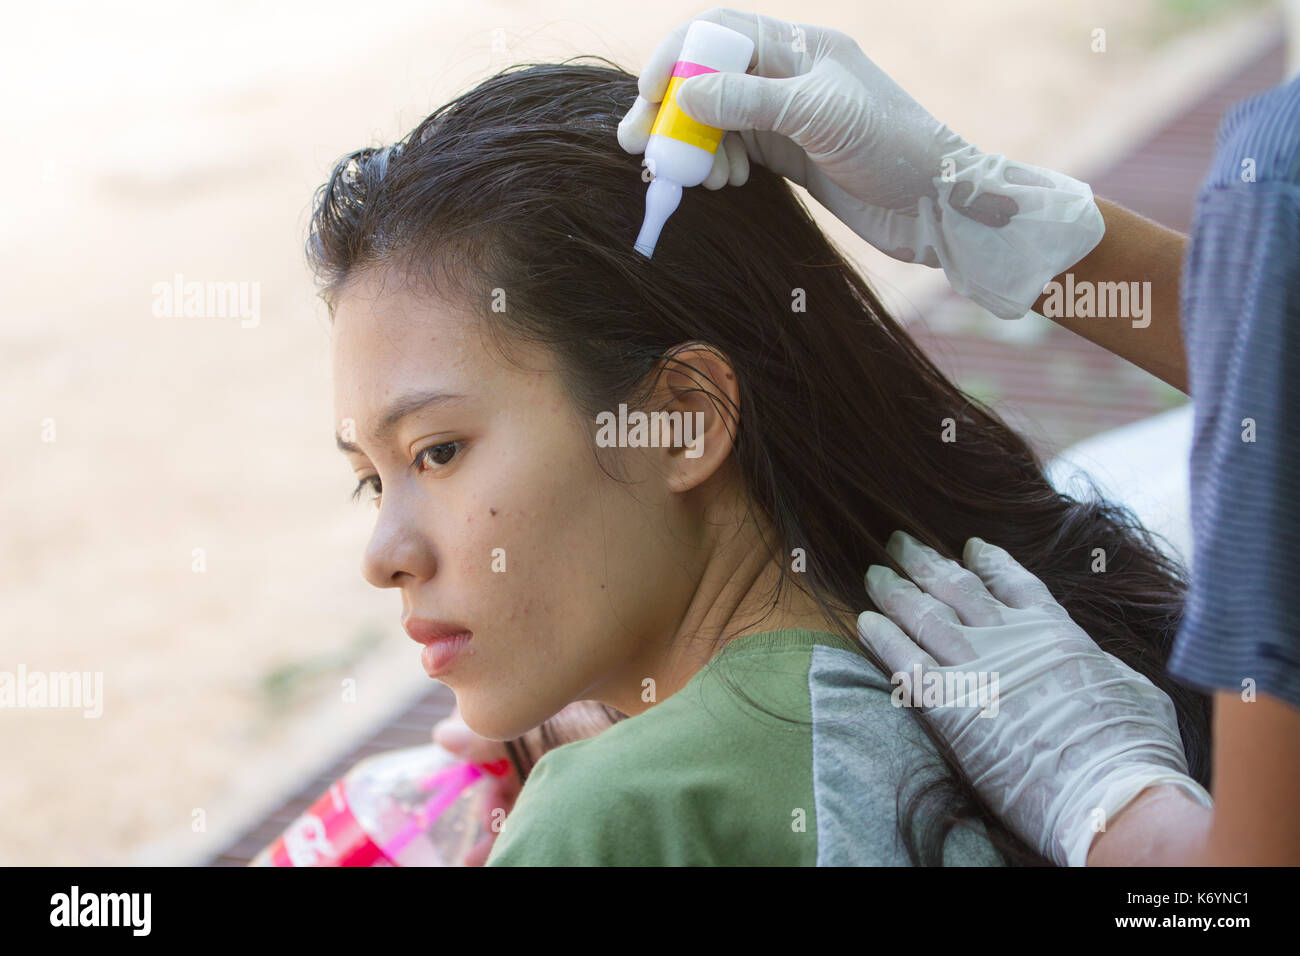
490,316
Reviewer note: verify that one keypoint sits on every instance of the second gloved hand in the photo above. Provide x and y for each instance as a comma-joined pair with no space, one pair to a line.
1075,734
815,109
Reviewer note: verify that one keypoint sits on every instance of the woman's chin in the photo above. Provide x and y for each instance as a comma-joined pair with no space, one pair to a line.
492,722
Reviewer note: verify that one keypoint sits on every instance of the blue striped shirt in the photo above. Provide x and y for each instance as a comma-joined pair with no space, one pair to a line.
1241,326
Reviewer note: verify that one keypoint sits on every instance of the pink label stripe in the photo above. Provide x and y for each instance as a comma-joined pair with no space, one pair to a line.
685,68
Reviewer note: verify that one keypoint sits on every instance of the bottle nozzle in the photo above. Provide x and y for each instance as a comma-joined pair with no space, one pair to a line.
661,201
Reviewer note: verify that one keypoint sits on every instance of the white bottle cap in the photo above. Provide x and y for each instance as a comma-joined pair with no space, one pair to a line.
717,47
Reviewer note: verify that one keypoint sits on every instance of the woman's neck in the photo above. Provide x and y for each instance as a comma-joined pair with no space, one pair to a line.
736,595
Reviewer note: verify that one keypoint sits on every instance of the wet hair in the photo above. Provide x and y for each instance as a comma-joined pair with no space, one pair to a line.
520,185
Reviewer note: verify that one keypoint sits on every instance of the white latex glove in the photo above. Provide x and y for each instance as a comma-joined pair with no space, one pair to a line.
1075,729
816,110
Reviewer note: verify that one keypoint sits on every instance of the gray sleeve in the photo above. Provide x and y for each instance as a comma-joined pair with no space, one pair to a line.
864,748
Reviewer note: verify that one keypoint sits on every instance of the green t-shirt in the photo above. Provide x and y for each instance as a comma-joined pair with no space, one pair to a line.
705,778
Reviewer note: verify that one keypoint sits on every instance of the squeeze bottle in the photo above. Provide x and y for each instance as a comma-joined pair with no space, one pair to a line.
419,806
680,150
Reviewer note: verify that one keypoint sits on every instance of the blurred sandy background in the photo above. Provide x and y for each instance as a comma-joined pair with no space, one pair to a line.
152,139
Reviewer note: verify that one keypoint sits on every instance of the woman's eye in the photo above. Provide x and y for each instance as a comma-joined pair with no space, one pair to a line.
435,456
371,482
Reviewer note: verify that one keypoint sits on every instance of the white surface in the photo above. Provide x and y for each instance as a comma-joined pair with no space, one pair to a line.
1143,466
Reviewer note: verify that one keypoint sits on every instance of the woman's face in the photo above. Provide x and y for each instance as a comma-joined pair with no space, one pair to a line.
495,515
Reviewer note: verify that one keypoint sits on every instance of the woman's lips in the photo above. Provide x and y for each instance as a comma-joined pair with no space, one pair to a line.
440,653
443,641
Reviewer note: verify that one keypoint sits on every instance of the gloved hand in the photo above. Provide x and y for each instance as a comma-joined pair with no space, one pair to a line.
1075,729
816,110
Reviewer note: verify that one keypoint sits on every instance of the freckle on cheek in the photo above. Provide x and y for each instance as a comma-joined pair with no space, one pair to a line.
493,512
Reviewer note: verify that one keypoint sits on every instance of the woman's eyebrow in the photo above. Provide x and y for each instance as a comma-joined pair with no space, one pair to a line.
404,405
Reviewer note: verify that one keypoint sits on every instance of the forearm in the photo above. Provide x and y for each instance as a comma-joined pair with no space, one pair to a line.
1134,250
1256,782
1163,826
1256,787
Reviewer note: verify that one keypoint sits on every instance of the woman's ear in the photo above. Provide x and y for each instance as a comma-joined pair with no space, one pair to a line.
700,393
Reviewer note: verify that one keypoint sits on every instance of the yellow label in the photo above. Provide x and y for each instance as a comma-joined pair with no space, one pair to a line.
675,124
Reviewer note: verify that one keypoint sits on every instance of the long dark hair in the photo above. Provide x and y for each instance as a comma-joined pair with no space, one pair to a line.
520,185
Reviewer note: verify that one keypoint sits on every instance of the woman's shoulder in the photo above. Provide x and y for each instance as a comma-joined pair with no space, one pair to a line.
785,750
676,785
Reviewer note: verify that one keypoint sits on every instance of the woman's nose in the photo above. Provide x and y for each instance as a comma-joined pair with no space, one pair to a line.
397,549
